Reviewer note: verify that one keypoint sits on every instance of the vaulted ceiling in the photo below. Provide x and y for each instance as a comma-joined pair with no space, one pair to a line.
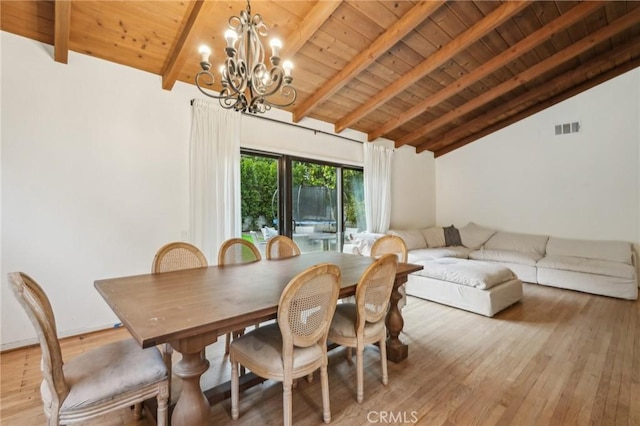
436,75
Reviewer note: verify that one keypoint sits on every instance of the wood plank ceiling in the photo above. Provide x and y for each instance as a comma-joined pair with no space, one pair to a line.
436,75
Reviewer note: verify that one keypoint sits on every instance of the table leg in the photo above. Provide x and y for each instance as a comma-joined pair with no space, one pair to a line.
192,407
396,350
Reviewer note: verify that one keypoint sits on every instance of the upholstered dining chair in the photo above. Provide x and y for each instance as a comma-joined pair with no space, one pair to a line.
176,256
232,252
107,378
296,345
281,246
362,323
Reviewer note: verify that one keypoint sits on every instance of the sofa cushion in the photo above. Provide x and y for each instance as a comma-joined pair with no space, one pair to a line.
451,236
481,275
413,238
434,236
614,251
589,266
508,256
518,242
460,252
473,236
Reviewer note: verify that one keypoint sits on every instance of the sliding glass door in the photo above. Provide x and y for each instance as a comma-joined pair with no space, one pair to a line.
317,204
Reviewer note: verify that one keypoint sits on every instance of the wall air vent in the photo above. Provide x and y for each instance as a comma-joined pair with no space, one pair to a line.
566,128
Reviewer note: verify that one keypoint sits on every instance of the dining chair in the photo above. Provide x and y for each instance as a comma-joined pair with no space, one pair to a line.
280,247
396,245
176,256
390,244
107,378
232,252
362,323
296,345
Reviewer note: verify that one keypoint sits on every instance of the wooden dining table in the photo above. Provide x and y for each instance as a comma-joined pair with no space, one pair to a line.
191,308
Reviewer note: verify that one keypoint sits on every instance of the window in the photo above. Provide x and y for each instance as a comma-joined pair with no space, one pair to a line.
317,204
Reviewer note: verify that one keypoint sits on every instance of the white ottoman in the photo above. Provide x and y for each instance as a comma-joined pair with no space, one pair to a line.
480,287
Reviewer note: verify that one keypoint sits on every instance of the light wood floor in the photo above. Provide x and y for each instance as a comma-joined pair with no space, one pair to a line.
557,358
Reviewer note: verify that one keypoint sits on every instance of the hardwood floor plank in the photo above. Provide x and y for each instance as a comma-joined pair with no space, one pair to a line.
557,358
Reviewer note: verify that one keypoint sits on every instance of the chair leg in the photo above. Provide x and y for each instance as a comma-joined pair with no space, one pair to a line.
163,412
137,411
360,372
287,405
349,355
227,343
324,382
383,360
168,362
235,385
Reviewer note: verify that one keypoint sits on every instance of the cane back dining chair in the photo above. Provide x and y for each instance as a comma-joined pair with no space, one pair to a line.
176,256
362,323
396,245
280,247
232,252
107,378
296,345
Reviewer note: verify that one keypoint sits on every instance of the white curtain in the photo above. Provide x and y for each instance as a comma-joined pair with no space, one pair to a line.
377,187
214,180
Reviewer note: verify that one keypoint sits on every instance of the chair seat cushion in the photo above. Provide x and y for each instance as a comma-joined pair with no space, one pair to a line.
344,320
263,346
108,371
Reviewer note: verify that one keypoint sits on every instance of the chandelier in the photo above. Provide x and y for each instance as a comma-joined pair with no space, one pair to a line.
248,85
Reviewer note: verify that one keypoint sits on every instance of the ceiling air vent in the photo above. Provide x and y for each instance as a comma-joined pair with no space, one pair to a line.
566,128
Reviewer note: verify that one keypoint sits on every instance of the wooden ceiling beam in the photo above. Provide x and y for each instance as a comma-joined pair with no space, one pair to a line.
627,66
179,55
317,16
535,71
571,17
455,46
62,28
382,44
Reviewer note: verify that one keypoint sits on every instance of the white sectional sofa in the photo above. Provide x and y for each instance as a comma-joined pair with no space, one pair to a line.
600,267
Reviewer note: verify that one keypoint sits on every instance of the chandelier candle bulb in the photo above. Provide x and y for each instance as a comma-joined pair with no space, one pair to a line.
231,37
276,45
205,52
288,66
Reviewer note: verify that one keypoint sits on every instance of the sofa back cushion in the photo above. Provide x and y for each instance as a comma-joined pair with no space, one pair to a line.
473,236
614,251
512,241
413,238
434,236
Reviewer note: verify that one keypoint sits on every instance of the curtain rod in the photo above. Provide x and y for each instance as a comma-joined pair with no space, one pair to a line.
261,117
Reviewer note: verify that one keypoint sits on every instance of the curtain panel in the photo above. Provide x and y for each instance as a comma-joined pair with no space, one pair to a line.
214,176
377,187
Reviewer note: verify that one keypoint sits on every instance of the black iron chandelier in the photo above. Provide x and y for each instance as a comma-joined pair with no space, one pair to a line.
248,85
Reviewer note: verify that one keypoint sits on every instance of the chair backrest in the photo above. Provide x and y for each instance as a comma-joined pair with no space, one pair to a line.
38,308
307,305
177,256
390,244
281,246
374,290
236,250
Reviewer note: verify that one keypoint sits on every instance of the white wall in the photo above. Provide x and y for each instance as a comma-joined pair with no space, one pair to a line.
525,179
94,174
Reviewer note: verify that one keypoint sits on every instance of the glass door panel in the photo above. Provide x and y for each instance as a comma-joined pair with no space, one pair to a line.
314,208
353,202
259,198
